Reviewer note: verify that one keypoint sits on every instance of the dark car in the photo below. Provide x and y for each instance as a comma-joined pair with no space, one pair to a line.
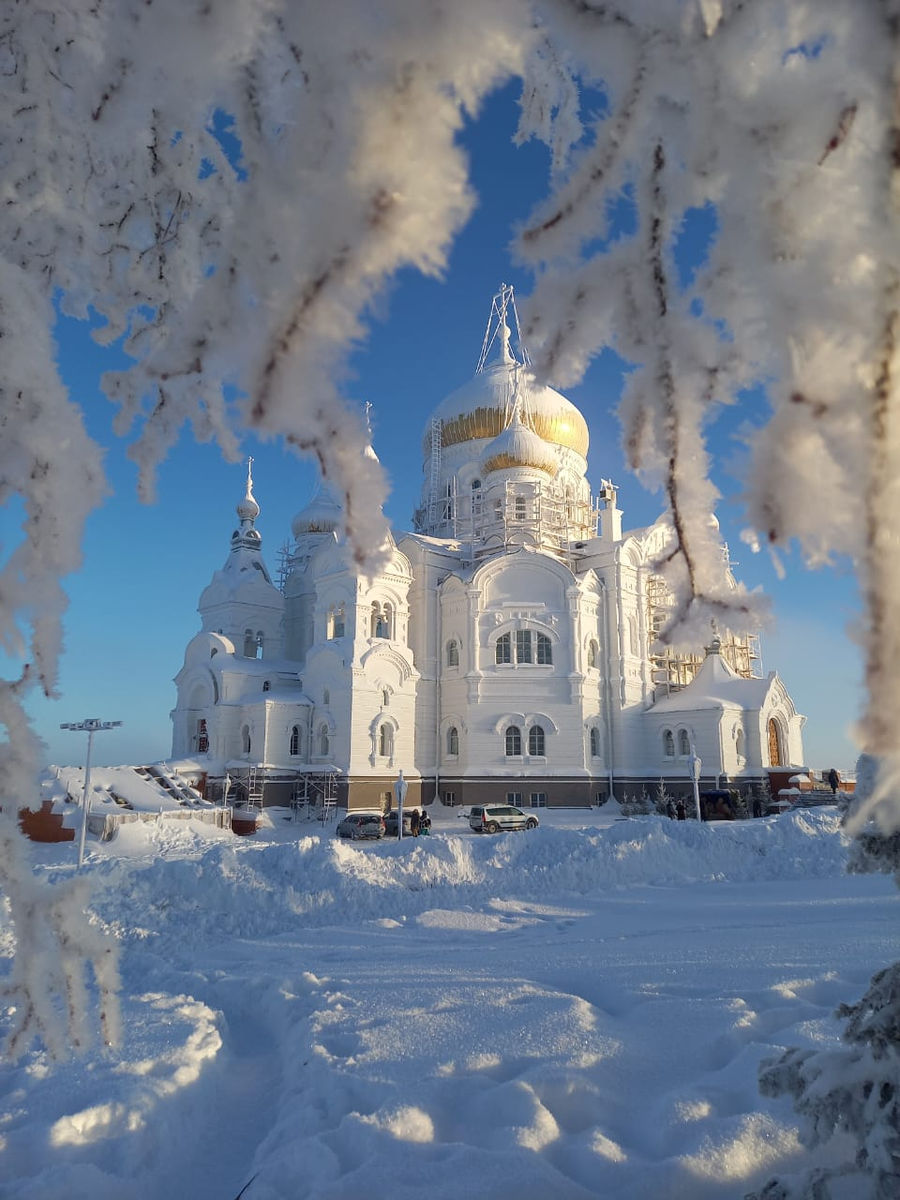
390,822
717,806
359,825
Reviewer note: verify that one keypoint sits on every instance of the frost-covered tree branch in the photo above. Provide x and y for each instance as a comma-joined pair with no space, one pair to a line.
247,271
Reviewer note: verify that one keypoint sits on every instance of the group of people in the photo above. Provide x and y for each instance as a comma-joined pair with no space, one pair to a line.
676,810
419,822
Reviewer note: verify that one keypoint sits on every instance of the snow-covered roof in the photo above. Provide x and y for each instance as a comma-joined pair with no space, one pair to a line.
141,789
717,685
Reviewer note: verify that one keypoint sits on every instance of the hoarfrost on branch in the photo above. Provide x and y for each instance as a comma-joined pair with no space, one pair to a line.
252,277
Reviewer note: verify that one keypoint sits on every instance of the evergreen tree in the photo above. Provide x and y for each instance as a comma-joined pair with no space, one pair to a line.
851,1089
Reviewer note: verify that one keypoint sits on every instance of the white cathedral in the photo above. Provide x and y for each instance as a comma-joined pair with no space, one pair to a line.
506,653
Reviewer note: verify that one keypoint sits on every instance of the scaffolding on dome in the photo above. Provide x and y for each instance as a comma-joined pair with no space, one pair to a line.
532,510
504,301
673,667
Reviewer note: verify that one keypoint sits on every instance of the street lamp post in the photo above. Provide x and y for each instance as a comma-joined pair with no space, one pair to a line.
90,726
400,790
696,764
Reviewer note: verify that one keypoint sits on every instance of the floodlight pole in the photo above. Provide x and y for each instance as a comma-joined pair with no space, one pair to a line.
89,725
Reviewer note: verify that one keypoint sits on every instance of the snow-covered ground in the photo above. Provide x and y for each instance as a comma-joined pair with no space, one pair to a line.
579,1011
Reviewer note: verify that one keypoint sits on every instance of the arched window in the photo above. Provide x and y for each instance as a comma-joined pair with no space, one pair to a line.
267,685
593,654
544,650
326,696
336,623
249,644
520,508
668,743
385,698
776,752
513,741
245,739
536,741
684,743
595,742
448,501
386,741
296,740
453,740
324,746
503,649
453,653
260,640
739,742
202,737
523,646
381,620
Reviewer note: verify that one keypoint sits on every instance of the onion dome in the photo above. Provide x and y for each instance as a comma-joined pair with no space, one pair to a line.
519,446
481,408
322,514
248,509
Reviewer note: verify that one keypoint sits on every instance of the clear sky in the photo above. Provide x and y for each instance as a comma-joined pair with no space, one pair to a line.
133,604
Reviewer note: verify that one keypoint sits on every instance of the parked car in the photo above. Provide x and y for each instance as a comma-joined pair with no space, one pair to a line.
717,806
358,825
491,818
390,822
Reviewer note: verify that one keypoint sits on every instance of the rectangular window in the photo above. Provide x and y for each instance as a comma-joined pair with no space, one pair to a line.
544,652
520,508
514,798
503,652
523,645
538,799
449,797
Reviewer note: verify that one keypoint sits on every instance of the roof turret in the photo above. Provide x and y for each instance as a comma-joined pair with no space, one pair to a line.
323,513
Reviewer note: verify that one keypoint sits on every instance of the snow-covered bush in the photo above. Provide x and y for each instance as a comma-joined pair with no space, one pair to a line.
662,798
638,804
853,1089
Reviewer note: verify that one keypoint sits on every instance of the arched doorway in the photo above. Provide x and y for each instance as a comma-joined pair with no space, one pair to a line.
776,753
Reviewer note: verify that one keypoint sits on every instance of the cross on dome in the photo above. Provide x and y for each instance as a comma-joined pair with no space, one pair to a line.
248,509
498,330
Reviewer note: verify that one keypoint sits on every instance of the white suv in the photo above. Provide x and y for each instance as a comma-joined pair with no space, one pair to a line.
491,818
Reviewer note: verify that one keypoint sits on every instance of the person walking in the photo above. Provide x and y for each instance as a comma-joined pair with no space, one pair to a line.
670,809
414,822
680,811
833,781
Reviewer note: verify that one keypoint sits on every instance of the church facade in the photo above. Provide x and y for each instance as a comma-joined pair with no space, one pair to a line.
505,653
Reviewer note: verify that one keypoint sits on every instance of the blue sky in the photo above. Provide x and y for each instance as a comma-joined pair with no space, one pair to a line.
133,603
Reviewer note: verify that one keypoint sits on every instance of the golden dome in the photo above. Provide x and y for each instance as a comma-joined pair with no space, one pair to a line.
481,409
519,446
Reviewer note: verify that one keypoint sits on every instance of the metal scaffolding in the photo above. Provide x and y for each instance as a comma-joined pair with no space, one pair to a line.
673,667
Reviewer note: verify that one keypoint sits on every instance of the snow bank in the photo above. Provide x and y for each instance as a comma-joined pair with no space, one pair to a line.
205,886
